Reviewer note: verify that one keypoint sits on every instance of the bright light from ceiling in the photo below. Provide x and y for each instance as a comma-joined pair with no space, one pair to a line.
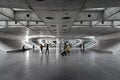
98,9
19,9
45,36
2,27
89,37
79,26
117,27
27,36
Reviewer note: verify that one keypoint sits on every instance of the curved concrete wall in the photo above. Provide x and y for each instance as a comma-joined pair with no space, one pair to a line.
8,44
112,45
109,42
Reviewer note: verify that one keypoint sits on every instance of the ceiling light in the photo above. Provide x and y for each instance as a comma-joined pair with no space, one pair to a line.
96,9
117,27
89,15
36,22
49,18
64,30
15,22
66,13
64,25
54,30
81,22
28,15
53,25
102,22
65,17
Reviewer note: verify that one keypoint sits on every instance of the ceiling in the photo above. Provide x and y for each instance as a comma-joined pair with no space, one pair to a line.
60,18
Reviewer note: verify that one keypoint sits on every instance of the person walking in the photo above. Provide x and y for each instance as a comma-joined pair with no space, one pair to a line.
83,47
68,49
23,48
80,47
41,48
47,49
33,48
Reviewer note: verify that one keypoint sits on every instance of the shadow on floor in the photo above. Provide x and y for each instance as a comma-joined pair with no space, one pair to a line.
100,51
19,50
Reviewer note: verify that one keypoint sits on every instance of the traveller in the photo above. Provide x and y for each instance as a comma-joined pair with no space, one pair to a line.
47,48
23,48
65,45
83,47
80,47
33,48
68,49
41,48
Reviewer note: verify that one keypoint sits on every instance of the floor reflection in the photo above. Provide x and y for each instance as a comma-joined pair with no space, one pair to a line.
76,66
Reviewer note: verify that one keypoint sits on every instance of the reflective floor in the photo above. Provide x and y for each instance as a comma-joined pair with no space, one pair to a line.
31,65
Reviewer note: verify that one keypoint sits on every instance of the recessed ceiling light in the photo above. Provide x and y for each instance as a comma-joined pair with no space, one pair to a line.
64,25
54,30
28,15
81,22
102,22
66,13
65,17
49,18
15,22
64,30
36,22
53,25
89,15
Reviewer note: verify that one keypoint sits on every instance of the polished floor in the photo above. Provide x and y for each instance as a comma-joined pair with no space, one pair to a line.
31,65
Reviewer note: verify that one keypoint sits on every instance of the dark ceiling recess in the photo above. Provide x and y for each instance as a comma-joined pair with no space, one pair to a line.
81,22
102,22
64,30
89,15
28,15
65,17
53,25
40,0
36,22
54,30
15,22
66,13
64,25
49,18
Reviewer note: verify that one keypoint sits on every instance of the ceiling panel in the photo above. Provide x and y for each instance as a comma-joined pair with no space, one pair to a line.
73,4
39,5
102,3
18,3
92,31
56,4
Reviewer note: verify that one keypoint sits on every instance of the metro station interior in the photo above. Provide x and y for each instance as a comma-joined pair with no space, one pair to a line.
90,27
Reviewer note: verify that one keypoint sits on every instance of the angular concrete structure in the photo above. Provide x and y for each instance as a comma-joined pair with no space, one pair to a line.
91,27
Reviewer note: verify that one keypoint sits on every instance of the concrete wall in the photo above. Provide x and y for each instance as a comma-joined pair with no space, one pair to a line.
110,44
8,44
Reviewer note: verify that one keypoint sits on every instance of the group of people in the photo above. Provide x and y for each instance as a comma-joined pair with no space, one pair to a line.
47,48
67,48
